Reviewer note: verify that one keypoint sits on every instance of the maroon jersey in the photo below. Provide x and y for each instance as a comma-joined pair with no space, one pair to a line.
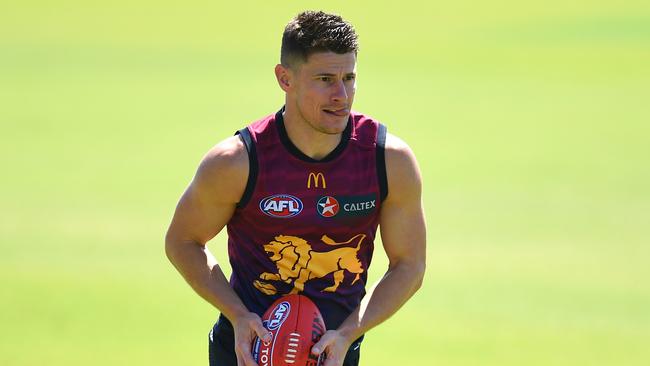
308,226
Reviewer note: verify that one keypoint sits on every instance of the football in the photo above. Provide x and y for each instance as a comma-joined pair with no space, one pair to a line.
296,325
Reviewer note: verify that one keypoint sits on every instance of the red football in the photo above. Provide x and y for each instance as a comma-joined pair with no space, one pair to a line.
296,325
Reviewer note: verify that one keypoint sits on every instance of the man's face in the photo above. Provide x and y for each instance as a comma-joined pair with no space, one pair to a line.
322,90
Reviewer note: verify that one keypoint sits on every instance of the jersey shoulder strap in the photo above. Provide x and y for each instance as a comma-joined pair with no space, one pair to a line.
380,151
245,135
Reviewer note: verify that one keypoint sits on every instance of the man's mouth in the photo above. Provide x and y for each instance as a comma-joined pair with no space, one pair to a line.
339,112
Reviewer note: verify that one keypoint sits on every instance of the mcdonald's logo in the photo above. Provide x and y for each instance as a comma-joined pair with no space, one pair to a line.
316,178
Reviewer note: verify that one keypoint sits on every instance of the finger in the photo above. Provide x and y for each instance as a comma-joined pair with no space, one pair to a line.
262,332
332,359
239,361
244,354
333,362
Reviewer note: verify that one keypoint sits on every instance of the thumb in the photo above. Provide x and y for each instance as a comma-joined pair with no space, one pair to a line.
322,344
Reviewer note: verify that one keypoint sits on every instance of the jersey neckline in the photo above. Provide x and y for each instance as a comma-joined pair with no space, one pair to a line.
293,150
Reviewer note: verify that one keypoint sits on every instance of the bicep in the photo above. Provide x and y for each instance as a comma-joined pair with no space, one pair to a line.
198,217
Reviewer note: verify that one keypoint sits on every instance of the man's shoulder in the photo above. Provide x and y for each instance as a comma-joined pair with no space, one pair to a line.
396,146
398,152
227,161
228,152
401,167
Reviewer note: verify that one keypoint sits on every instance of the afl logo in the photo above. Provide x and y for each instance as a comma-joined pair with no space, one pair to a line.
327,206
281,205
278,315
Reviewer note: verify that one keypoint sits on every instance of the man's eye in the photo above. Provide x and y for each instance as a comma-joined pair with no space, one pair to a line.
325,78
350,77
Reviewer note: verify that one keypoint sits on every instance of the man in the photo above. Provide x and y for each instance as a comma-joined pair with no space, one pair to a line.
302,192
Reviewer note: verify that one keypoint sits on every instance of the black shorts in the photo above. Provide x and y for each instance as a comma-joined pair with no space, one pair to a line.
221,346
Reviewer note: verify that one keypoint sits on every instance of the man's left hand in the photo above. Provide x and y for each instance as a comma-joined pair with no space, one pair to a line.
334,345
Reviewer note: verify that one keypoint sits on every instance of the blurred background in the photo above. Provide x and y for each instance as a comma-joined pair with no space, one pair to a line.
530,122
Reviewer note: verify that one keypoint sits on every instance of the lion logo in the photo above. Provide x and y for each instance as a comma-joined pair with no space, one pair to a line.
298,263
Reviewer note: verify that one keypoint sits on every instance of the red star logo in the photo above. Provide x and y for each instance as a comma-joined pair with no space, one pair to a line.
328,206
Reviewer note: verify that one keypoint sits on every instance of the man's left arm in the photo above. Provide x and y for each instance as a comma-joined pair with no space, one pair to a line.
403,233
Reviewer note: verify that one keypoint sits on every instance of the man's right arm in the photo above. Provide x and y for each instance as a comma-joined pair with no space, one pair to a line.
204,209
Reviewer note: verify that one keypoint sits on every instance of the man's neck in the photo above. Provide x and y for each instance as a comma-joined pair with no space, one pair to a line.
315,144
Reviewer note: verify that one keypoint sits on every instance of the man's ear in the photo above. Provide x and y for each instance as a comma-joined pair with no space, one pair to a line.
284,77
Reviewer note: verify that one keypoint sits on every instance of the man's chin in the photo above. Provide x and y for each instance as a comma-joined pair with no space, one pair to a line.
335,126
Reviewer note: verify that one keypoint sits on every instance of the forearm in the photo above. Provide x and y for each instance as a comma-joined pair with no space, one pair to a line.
202,272
384,299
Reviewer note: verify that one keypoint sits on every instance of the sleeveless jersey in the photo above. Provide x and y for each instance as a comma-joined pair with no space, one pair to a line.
307,226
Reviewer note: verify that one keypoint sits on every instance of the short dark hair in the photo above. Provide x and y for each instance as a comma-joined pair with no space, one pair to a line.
315,31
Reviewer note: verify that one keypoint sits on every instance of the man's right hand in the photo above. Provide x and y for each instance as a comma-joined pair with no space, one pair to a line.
246,328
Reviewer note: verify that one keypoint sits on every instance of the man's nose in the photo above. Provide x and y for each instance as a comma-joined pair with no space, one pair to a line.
339,93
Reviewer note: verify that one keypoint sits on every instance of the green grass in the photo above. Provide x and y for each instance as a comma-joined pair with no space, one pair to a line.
530,123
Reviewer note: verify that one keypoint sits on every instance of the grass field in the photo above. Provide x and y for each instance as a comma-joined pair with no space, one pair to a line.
530,122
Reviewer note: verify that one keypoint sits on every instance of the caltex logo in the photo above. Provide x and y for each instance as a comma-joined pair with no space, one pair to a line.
281,205
327,206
